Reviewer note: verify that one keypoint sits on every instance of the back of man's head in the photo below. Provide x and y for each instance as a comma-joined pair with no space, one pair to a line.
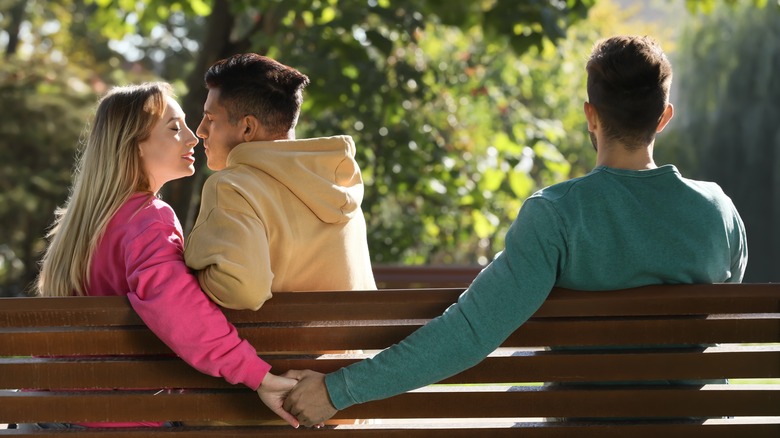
251,84
628,84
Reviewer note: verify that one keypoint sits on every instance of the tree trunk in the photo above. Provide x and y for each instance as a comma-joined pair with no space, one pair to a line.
184,194
17,16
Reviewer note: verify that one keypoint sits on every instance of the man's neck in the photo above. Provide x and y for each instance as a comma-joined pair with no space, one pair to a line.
618,157
262,136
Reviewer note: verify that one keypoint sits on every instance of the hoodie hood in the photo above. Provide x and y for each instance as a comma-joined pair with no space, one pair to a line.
321,172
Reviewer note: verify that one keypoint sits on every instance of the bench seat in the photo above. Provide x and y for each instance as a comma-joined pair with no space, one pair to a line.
55,348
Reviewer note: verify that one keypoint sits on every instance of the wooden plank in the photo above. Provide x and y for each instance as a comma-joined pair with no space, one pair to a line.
726,400
611,367
550,430
653,331
692,299
66,311
355,335
390,276
410,304
86,373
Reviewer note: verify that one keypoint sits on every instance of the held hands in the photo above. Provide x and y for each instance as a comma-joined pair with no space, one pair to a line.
273,392
300,394
309,400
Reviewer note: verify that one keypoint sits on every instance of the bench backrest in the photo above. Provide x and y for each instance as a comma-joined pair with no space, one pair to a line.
39,338
424,276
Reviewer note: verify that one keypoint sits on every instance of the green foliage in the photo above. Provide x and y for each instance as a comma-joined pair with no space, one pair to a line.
460,109
38,139
450,137
708,6
727,119
445,170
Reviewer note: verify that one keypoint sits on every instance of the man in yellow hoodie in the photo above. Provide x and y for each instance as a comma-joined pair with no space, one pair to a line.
279,214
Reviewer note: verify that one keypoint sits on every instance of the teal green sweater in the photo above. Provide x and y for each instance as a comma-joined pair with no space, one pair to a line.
611,229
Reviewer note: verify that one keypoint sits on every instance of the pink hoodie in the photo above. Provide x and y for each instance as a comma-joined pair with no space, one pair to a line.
141,256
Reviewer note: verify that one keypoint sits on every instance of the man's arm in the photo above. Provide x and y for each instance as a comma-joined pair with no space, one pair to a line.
739,248
501,298
228,248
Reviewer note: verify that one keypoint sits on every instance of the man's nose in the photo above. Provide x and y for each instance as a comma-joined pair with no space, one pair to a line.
201,131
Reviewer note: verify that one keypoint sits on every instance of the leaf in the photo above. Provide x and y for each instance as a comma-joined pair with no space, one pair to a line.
200,7
327,15
482,226
521,184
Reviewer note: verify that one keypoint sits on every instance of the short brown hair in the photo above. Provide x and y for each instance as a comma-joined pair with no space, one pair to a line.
628,84
252,84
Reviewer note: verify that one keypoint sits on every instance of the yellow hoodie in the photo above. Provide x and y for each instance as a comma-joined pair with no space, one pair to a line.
282,216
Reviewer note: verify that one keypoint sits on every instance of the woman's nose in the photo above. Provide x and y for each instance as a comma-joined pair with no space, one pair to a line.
193,140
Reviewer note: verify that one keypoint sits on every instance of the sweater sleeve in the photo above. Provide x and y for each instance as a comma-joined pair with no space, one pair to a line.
228,248
502,297
168,299
739,249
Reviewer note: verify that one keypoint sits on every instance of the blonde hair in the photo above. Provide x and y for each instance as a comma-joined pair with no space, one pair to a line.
109,171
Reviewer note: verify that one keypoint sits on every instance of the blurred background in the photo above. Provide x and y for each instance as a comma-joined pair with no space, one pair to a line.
460,110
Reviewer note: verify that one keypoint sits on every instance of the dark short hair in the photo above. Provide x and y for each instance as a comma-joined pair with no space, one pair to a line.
628,84
252,84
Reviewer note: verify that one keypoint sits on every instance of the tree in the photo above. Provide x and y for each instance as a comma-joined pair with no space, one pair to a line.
372,78
728,115
49,82
419,107
38,141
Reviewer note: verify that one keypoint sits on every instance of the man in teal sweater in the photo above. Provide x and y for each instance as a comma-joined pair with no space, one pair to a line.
628,223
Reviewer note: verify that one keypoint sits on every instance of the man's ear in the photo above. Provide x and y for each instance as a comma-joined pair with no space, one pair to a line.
665,117
592,116
252,129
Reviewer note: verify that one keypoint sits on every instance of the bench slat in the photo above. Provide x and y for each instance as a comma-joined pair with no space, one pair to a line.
411,304
389,276
314,336
526,430
529,367
726,400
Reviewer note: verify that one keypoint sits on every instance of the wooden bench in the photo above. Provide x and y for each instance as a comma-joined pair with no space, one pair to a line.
495,398
423,276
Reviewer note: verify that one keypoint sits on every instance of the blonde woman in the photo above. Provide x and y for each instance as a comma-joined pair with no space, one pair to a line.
115,237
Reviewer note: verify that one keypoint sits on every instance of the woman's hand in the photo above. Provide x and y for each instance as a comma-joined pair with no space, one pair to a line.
273,391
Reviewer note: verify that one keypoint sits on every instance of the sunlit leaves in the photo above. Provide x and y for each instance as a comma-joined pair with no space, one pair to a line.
200,7
432,91
708,6
116,19
728,112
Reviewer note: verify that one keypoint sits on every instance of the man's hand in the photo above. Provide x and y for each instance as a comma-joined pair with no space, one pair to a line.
273,391
309,400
